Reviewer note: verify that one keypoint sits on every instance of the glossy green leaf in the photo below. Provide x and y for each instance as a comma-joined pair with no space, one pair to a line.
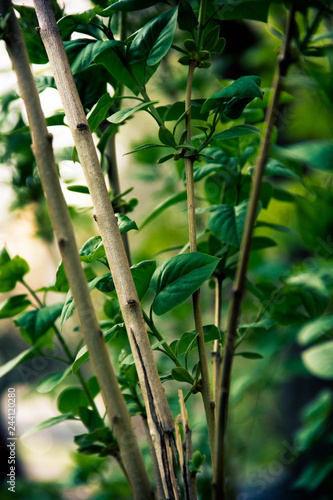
50,422
237,131
85,51
61,282
154,40
52,381
318,360
130,5
83,354
33,42
187,20
211,332
70,399
20,358
169,202
78,189
12,271
227,223
13,306
178,278
275,227
44,82
100,111
92,250
90,419
125,224
182,375
276,168
35,324
315,329
68,24
142,274
124,114
245,87
166,137
211,38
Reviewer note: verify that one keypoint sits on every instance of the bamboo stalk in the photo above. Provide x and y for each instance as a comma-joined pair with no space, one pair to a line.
42,147
160,421
205,388
240,280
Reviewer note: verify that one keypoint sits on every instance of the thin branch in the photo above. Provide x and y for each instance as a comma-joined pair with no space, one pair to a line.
160,419
217,349
205,387
240,280
42,147
190,478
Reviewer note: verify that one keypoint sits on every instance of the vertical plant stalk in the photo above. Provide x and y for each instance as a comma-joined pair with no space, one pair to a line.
189,478
160,421
42,148
110,150
113,176
240,280
217,349
205,387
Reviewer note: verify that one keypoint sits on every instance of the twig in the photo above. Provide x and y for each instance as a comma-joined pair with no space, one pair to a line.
205,387
217,349
160,419
42,147
189,478
240,280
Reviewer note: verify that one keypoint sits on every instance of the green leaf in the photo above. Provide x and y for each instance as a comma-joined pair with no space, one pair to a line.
70,399
33,42
124,114
20,358
237,131
166,137
145,146
125,224
12,271
78,189
142,274
260,242
244,88
44,82
61,283
196,462
83,354
93,249
100,111
52,381
90,419
187,20
154,40
276,227
313,291
316,154
249,355
50,422
82,52
35,324
211,38
318,360
169,202
227,223
13,306
182,375
178,278
247,9
211,332
68,24
130,5
129,359
274,167
313,330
